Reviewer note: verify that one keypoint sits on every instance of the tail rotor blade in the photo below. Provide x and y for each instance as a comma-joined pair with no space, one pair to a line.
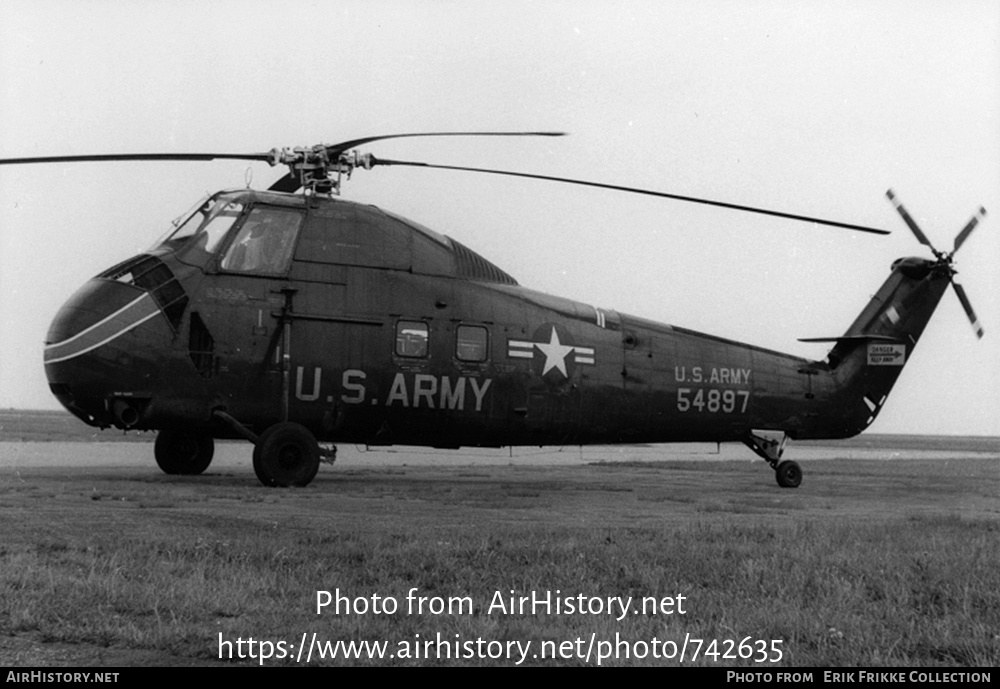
969,227
967,305
910,222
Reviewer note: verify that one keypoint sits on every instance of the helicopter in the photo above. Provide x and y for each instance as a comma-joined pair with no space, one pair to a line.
296,319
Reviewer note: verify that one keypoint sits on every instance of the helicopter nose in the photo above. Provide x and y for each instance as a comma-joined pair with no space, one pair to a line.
103,350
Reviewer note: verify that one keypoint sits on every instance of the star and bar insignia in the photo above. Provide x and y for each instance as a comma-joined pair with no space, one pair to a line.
556,353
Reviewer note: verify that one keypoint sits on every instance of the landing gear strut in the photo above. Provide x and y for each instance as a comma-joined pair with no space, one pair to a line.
770,445
286,454
183,454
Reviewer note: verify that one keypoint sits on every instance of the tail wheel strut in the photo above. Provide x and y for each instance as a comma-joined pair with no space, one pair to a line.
770,445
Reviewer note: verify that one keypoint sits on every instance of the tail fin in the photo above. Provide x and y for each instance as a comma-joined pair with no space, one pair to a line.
868,358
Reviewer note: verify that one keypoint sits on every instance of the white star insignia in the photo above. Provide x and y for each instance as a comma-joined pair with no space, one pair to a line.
555,354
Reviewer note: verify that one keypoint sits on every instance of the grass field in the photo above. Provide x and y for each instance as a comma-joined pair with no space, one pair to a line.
869,563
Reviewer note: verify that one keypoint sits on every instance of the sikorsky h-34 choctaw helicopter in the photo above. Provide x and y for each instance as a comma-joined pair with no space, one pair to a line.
292,319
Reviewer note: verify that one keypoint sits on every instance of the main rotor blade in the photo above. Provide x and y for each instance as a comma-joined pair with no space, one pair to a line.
288,184
135,156
291,183
336,149
969,227
910,222
967,305
265,156
634,190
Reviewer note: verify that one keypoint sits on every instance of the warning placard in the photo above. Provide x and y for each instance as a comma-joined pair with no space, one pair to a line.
880,354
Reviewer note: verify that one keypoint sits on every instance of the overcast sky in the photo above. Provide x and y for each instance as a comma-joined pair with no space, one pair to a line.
807,107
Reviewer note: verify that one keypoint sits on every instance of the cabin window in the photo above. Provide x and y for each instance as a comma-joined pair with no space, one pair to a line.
264,244
471,343
347,234
411,338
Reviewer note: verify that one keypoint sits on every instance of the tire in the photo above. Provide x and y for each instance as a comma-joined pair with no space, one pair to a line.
183,454
789,474
286,454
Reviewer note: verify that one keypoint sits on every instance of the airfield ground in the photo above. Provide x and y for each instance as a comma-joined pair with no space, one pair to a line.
886,555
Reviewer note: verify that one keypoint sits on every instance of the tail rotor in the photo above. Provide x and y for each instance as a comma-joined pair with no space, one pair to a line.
946,260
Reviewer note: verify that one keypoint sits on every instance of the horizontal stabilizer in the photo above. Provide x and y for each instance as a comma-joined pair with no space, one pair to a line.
851,338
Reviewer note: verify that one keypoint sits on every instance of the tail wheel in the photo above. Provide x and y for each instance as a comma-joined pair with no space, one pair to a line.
183,454
789,474
286,454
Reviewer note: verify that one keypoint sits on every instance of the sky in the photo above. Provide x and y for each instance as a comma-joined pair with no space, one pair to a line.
814,107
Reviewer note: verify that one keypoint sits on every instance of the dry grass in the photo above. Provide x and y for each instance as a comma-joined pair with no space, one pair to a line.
867,564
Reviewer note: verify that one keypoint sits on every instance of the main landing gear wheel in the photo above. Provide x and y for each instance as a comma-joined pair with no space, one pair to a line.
286,454
183,454
789,474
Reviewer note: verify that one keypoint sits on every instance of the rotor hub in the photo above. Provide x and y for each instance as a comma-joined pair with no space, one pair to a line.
311,167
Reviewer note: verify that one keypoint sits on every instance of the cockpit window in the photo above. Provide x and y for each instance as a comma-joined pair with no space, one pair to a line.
185,225
220,219
209,220
264,244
